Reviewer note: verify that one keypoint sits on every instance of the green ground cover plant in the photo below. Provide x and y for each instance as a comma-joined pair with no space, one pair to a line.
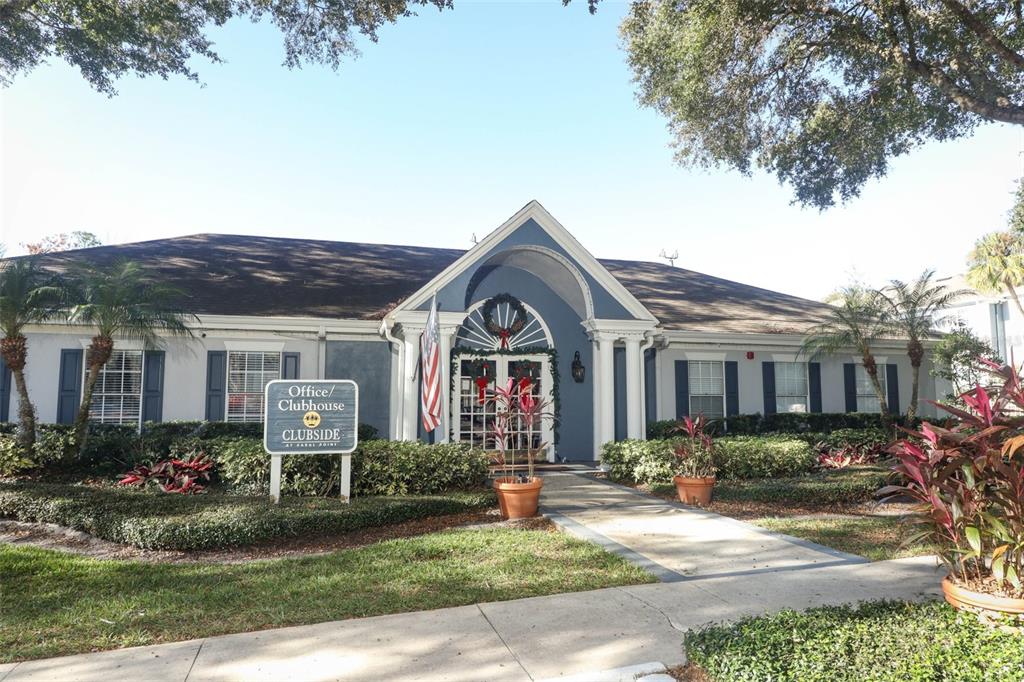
825,488
891,641
878,538
152,520
55,603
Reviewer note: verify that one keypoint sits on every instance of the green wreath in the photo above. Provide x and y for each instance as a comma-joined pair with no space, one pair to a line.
495,329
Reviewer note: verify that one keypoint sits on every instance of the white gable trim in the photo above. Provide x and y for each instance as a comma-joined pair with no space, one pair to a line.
557,232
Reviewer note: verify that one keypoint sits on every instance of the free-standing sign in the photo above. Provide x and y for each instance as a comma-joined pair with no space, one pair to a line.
312,417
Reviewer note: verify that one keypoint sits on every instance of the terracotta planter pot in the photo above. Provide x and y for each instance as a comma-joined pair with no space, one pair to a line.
518,500
961,598
694,490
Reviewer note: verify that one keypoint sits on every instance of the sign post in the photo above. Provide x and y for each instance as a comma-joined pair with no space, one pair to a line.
314,417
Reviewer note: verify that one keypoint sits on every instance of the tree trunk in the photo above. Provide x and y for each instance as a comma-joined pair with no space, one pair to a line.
871,367
14,350
82,419
98,354
1016,300
915,351
26,413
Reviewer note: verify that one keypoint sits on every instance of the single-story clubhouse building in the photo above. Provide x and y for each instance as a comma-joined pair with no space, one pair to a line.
613,344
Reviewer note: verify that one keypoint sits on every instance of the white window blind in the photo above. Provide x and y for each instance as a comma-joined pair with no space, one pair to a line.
249,372
707,388
791,394
117,396
867,400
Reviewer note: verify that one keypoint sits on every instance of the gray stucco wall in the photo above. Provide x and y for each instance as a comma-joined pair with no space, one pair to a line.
368,363
576,426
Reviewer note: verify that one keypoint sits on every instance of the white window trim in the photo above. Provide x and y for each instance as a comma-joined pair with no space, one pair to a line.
248,348
142,381
698,356
690,395
119,344
807,382
884,381
254,346
547,426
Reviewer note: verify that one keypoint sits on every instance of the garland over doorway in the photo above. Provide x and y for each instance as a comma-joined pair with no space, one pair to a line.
479,376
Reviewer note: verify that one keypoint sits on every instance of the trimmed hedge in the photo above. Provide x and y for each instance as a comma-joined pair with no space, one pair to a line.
112,449
874,641
821,488
379,467
638,461
651,461
383,467
155,521
785,422
763,456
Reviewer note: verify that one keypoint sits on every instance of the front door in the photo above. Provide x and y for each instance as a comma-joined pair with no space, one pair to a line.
473,420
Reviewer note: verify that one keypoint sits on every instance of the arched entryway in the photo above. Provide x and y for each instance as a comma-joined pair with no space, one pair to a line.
502,342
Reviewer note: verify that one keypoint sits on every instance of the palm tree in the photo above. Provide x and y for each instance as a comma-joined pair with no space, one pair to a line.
996,265
118,302
856,321
913,310
27,295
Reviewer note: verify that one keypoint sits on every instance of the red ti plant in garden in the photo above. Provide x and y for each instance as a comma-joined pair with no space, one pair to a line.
969,480
693,454
517,411
180,476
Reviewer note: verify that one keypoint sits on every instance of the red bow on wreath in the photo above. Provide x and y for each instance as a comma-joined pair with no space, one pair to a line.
503,335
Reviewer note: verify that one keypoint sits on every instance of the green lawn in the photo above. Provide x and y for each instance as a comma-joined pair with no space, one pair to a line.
878,538
883,641
54,603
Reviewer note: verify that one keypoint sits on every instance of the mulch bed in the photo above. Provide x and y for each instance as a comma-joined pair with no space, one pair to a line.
758,510
50,536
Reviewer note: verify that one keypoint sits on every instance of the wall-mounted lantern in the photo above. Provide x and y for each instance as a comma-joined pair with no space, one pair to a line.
579,372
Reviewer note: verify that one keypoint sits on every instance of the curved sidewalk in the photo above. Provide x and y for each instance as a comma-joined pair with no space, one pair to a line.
712,568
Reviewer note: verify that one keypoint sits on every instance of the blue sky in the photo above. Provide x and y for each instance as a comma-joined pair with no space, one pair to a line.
446,127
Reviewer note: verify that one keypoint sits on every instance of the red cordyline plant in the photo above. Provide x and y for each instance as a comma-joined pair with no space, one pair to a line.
517,410
969,480
693,454
183,476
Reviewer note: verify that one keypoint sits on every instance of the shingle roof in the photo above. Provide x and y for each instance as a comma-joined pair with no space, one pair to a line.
275,276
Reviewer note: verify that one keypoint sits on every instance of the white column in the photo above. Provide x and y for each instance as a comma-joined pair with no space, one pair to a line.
444,431
606,415
634,382
398,392
594,374
411,383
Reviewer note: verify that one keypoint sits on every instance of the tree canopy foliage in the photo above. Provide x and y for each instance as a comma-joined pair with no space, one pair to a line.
106,40
823,94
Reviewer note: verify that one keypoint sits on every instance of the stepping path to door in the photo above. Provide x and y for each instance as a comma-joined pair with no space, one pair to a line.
712,569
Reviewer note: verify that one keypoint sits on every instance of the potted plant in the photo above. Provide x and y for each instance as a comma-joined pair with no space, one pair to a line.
517,412
693,465
969,481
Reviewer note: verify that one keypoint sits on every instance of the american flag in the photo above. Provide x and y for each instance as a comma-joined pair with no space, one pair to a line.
430,370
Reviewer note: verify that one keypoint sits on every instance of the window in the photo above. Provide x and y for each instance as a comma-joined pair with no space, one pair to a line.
791,387
117,396
867,400
249,373
707,388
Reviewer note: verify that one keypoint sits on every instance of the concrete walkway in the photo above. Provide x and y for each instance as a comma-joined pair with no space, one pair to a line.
712,568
